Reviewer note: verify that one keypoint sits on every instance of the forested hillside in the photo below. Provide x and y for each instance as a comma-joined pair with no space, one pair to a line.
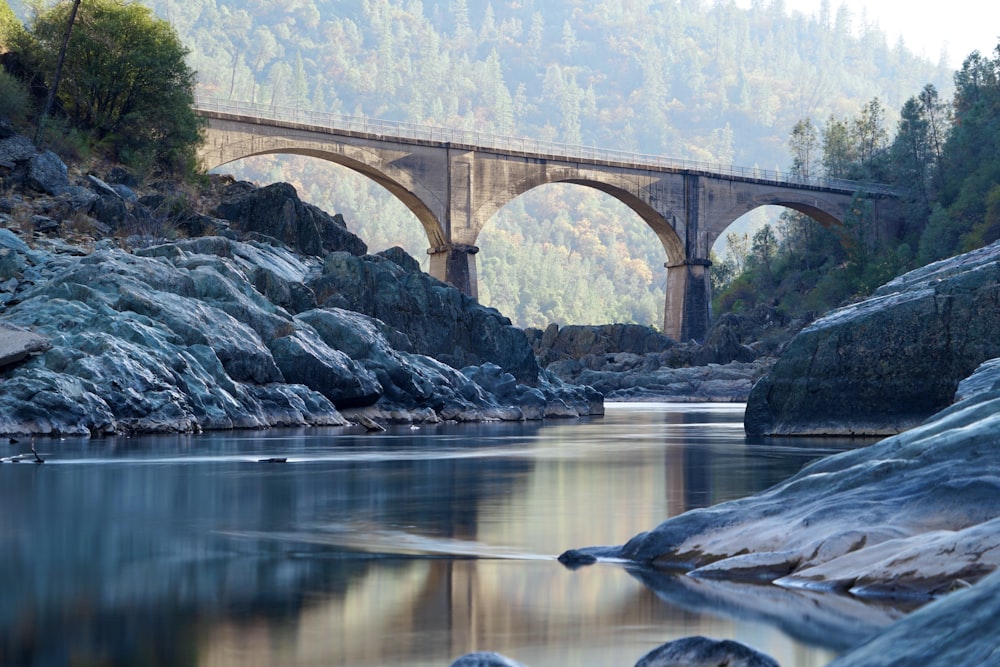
691,79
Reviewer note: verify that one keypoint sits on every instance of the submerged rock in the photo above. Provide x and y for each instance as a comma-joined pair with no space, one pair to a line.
889,362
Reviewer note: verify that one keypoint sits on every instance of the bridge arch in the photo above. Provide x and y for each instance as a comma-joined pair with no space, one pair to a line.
622,189
829,211
424,203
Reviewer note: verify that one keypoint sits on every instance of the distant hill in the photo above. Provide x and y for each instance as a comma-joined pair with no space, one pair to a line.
698,80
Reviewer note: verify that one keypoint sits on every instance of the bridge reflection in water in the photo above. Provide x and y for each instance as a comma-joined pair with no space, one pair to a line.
409,548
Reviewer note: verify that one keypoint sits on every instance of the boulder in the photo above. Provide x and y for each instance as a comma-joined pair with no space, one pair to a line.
47,173
887,363
705,652
485,659
305,359
577,341
17,344
277,211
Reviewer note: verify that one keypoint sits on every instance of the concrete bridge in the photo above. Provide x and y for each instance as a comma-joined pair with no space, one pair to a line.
455,181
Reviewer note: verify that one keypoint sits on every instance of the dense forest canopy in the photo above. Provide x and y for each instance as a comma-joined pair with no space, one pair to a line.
685,78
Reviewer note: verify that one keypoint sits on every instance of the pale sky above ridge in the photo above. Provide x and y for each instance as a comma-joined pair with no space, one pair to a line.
927,26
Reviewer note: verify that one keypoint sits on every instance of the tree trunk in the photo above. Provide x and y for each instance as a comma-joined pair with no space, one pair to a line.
50,99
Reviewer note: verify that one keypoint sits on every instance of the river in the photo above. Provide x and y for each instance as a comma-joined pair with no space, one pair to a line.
409,547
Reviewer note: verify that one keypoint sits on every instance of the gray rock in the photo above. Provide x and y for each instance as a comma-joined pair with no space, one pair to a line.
100,187
439,321
111,210
705,652
48,173
17,344
16,148
986,378
402,258
577,341
911,516
305,359
887,363
277,211
959,629
126,193
485,659
178,338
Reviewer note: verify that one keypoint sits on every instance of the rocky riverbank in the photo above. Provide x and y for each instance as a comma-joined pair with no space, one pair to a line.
913,518
262,311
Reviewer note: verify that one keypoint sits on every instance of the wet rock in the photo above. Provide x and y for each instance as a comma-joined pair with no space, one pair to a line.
485,659
910,516
959,629
889,362
705,652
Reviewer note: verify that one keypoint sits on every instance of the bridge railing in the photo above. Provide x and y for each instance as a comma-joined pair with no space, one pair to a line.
403,130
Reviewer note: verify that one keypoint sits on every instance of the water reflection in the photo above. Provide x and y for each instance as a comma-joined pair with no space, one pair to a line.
404,548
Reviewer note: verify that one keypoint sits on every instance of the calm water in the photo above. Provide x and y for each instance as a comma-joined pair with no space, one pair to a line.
410,547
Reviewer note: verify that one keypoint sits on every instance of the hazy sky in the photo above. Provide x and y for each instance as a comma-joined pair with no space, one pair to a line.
926,25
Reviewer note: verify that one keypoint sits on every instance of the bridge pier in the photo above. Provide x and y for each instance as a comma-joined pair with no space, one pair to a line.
455,264
687,312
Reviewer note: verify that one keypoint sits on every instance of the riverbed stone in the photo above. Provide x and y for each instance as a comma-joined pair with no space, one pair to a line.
485,659
705,652
887,363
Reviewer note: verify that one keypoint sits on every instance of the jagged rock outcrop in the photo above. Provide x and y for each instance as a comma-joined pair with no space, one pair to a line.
177,337
276,210
889,362
438,320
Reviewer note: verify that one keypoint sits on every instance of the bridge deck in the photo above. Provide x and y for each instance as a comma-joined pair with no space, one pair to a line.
414,134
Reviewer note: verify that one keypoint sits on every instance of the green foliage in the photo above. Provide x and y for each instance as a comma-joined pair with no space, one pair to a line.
15,103
125,81
11,28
